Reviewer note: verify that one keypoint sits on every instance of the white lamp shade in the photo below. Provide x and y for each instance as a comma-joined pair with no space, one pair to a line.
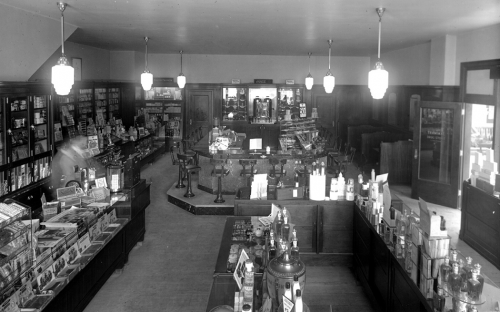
309,82
378,81
63,77
181,81
146,80
329,83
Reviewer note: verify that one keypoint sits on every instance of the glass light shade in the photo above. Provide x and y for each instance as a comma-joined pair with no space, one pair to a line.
146,80
181,80
63,76
329,82
309,82
378,81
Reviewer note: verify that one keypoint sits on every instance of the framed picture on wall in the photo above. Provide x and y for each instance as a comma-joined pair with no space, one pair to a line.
76,62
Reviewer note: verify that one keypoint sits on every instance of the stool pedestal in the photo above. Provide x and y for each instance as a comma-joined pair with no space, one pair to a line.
189,171
219,171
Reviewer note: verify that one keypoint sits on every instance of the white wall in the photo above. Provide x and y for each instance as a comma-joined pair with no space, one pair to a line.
409,66
477,45
443,60
222,68
27,40
95,62
122,65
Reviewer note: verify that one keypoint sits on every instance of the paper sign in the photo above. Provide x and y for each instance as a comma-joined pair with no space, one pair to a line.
101,182
255,144
287,304
239,272
83,242
266,307
112,216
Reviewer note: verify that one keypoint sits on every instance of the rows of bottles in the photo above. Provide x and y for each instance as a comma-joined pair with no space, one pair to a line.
451,280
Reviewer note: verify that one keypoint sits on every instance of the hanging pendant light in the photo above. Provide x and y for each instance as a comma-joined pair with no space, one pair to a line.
146,76
329,80
378,78
63,75
309,78
181,79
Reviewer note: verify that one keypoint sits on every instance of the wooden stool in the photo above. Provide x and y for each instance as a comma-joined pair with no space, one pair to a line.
274,162
187,169
219,171
248,173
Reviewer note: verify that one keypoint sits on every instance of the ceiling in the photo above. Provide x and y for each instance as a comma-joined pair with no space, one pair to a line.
270,27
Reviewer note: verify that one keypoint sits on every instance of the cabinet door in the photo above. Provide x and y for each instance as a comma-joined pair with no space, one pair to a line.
270,135
199,110
304,218
326,105
335,227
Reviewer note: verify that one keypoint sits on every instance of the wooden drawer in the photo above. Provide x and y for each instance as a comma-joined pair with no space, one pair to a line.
361,227
380,253
402,289
362,252
380,280
335,228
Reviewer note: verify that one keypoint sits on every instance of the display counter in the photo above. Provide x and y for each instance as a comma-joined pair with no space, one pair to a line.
232,182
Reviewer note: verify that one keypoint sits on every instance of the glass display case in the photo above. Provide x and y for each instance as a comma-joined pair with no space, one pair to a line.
101,105
27,149
84,104
289,100
114,103
262,108
234,104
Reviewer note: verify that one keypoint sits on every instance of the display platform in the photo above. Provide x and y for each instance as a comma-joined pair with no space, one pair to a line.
202,203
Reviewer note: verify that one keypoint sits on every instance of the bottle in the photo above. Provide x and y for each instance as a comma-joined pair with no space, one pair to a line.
373,174
279,223
272,250
480,278
474,289
400,248
294,235
453,258
288,291
295,287
322,168
248,283
296,180
298,304
268,150
349,193
439,300
455,280
444,273
334,195
468,267
341,187
294,252
285,228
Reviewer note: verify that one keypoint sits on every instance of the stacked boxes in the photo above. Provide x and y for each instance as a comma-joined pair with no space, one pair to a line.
484,171
433,252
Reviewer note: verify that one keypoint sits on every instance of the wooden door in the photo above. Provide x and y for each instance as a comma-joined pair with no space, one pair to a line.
436,153
198,111
326,105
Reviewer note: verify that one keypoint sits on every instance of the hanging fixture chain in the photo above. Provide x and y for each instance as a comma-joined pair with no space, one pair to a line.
329,53
62,7
380,12
310,63
181,62
146,56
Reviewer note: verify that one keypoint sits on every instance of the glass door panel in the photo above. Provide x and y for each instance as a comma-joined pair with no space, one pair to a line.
40,121
19,128
436,158
436,137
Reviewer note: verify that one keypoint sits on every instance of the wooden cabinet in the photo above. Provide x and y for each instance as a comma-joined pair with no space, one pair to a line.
322,227
480,224
383,277
268,133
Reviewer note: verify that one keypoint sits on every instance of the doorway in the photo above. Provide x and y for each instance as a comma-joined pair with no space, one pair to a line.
436,141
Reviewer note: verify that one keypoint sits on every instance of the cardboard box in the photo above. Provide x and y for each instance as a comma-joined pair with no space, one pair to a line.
426,286
430,267
290,193
415,273
435,247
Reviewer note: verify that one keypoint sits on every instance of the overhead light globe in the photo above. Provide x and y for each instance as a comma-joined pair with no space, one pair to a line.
378,78
329,80
63,75
309,78
146,80
181,79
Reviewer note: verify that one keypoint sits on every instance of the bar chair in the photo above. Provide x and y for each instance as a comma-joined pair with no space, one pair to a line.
174,150
277,175
187,169
248,173
219,171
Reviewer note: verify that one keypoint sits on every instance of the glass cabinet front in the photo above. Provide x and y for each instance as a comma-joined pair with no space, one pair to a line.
234,104
19,128
289,100
263,105
40,124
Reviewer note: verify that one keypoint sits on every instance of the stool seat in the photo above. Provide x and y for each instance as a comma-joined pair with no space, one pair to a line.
248,172
219,171
186,169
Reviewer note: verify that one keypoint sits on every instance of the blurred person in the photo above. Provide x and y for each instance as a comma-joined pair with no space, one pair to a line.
70,155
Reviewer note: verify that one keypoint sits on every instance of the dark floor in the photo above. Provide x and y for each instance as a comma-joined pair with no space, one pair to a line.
172,270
